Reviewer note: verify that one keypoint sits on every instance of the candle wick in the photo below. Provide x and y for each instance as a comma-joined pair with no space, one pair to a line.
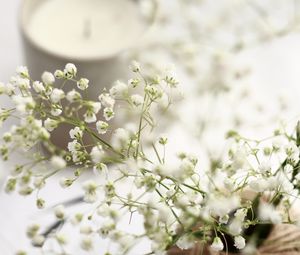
87,31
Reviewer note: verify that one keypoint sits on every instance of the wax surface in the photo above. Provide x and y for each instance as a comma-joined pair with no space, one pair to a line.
85,28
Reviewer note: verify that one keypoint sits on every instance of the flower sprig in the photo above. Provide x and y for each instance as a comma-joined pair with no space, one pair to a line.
180,203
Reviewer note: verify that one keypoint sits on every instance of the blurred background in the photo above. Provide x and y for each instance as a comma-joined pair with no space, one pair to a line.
238,63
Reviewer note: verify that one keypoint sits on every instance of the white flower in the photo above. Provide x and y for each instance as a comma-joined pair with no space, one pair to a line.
97,154
50,124
59,74
86,229
137,100
2,88
235,227
48,78
57,95
108,113
217,244
119,89
56,111
267,212
59,212
107,100
239,242
89,117
38,87
9,89
126,241
265,167
83,84
259,185
22,83
75,133
163,213
73,96
65,182
135,66
185,242
102,127
120,138
22,71
90,188
58,162
38,240
74,146
96,106
70,70
240,214
86,243
23,104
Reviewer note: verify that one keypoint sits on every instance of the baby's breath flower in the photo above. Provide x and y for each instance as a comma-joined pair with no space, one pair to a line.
70,71
102,127
83,84
90,188
217,244
86,243
48,78
134,82
50,124
10,185
38,241
97,154
57,95
38,86
108,113
163,140
120,138
22,83
74,146
9,89
75,133
23,104
137,100
59,212
56,110
90,116
65,182
76,218
21,253
32,230
22,71
2,88
120,89
73,96
58,162
135,66
59,74
95,106
39,182
107,100
239,242
61,238
86,229
40,203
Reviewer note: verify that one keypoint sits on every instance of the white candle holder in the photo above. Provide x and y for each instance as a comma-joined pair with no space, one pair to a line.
101,67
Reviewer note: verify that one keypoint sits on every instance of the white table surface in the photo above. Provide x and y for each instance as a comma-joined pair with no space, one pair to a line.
275,66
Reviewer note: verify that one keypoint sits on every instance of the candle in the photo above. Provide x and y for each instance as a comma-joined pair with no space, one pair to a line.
85,28
89,33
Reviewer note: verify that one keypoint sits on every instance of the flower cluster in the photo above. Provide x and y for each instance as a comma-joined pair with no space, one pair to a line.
180,205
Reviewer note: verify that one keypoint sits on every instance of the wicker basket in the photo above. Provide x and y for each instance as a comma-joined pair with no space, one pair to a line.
283,240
